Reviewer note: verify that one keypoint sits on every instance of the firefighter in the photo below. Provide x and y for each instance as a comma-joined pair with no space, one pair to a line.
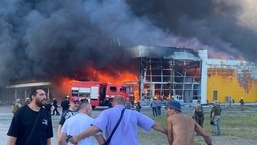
242,103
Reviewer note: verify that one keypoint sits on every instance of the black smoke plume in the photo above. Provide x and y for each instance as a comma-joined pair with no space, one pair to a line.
40,39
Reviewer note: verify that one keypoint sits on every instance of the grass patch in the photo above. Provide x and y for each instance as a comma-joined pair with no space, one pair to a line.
235,124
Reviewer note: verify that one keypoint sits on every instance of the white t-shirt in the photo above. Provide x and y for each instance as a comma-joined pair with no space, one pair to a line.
77,124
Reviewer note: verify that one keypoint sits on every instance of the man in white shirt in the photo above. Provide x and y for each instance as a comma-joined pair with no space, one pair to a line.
77,124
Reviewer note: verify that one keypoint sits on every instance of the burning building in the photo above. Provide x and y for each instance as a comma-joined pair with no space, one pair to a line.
184,73
188,74
84,40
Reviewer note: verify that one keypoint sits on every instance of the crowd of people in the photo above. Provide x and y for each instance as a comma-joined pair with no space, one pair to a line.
32,123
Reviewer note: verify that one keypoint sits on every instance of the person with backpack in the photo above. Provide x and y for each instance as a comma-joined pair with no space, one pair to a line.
215,117
16,106
198,113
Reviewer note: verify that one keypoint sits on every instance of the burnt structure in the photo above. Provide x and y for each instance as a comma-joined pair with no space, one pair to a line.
169,71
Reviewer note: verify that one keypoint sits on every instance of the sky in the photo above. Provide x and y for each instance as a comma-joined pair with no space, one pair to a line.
46,39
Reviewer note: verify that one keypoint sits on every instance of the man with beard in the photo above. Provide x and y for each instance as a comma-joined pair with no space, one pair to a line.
32,123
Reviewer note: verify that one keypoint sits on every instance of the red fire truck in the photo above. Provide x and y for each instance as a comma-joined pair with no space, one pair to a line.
100,93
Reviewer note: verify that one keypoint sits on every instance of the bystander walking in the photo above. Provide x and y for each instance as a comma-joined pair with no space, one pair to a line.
242,103
215,117
198,113
159,106
55,105
65,104
153,105
138,106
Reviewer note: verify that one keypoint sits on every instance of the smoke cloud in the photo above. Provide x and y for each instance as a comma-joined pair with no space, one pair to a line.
43,39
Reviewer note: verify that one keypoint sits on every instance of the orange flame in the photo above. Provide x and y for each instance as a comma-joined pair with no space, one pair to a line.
116,77
62,85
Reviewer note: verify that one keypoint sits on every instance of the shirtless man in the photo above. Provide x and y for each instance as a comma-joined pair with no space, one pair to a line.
181,128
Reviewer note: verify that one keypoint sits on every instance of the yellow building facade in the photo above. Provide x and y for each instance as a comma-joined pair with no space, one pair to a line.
229,80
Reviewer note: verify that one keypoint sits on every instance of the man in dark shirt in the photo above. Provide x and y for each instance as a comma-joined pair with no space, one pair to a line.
215,117
55,104
47,105
65,104
32,124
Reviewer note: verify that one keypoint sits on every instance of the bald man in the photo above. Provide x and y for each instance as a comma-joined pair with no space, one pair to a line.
77,124
128,128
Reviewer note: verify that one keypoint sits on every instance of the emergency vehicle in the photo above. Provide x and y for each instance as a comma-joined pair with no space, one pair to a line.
100,93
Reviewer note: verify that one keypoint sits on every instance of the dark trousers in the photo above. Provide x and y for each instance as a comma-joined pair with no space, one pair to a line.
159,110
154,111
55,111
199,120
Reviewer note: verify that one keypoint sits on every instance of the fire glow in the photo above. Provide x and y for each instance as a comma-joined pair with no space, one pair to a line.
62,86
117,77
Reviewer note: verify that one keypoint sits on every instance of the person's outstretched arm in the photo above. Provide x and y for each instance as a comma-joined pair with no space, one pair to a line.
158,127
100,139
203,133
92,130
11,140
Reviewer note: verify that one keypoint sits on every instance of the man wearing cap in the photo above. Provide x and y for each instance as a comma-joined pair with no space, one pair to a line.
73,110
181,128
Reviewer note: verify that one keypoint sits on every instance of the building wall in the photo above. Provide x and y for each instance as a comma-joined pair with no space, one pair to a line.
229,82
